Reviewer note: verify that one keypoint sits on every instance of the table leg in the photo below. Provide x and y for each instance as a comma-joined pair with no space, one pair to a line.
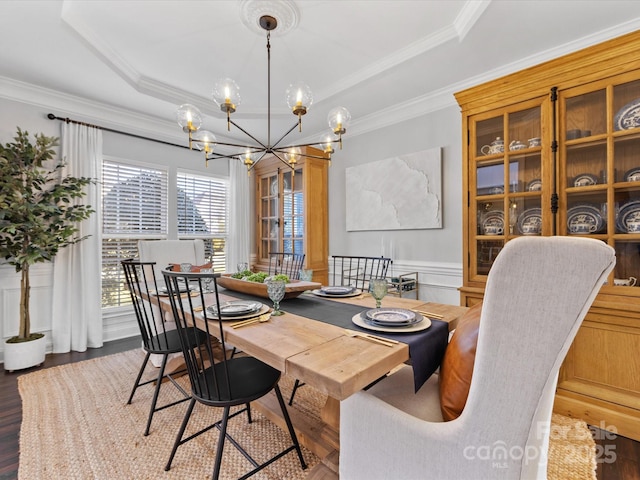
330,413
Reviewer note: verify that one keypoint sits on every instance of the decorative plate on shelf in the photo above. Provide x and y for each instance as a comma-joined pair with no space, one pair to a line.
584,180
632,175
585,213
534,185
274,186
494,218
628,212
530,221
628,116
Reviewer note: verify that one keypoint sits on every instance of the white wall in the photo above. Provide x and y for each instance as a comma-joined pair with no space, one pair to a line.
435,253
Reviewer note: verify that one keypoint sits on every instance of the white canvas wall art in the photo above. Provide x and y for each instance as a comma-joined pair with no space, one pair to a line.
399,193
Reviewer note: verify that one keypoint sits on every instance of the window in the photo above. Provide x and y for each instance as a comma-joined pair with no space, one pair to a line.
202,213
134,206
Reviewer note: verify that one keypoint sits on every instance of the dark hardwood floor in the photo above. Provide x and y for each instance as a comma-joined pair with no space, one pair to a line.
619,457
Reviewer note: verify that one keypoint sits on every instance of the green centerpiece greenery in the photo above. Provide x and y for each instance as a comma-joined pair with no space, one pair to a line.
38,216
258,277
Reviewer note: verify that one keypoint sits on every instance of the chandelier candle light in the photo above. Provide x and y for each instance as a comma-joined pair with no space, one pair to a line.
226,94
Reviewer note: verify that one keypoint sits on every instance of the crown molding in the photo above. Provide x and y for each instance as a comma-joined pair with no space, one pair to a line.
122,119
468,16
444,98
104,115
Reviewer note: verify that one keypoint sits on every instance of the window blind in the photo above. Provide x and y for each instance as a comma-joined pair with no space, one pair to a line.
134,207
202,212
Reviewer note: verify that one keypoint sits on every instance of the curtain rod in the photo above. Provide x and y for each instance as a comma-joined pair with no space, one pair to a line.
51,116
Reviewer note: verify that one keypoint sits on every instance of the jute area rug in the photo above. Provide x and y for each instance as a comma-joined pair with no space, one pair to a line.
76,425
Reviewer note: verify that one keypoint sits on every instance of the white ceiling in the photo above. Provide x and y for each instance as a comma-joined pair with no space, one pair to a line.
385,60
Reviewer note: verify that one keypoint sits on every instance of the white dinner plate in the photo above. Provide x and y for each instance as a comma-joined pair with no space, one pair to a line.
391,317
318,292
163,292
360,320
211,310
337,290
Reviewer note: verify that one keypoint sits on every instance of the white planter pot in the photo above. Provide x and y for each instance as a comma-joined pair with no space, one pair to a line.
18,356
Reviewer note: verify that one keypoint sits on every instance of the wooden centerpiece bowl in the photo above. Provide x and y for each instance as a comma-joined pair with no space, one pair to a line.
293,289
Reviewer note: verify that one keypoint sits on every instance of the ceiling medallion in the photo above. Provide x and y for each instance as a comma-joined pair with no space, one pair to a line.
285,11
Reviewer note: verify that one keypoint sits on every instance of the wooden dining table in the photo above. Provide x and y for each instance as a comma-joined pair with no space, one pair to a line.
325,356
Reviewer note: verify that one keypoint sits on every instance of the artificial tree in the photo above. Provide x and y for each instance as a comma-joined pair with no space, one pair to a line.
38,214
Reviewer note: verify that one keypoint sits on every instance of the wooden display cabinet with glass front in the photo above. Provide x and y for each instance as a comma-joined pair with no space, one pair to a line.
291,211
555,150
506,150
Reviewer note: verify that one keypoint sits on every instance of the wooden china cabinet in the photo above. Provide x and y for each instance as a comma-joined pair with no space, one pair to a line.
291,211
555,150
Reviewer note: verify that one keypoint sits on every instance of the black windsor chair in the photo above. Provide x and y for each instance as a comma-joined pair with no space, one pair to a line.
354,272
227,383
357,271
156,338
288,264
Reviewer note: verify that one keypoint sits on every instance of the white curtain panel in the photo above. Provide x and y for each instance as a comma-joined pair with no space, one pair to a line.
77,315
238,241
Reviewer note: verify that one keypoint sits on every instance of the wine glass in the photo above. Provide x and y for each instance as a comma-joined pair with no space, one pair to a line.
378,289
207,281
275,289
242,267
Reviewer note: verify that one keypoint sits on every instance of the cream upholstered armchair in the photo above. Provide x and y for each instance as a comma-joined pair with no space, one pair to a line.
537,294
167,252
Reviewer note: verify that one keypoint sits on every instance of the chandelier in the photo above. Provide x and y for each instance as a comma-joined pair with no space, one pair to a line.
226,95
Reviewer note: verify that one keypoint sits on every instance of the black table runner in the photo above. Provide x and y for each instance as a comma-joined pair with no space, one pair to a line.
426,347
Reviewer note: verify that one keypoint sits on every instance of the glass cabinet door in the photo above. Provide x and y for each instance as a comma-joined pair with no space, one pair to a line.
281,213
600,170
293,212
269,214
506,180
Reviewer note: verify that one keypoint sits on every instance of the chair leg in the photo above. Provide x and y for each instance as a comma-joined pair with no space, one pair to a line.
220,447
296,386
156,392
292,432
137,384
183,427
249,412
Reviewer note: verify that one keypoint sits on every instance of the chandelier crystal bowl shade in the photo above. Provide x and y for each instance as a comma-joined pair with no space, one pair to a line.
226,94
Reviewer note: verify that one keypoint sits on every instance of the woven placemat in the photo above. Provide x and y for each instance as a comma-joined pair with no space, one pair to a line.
76,425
